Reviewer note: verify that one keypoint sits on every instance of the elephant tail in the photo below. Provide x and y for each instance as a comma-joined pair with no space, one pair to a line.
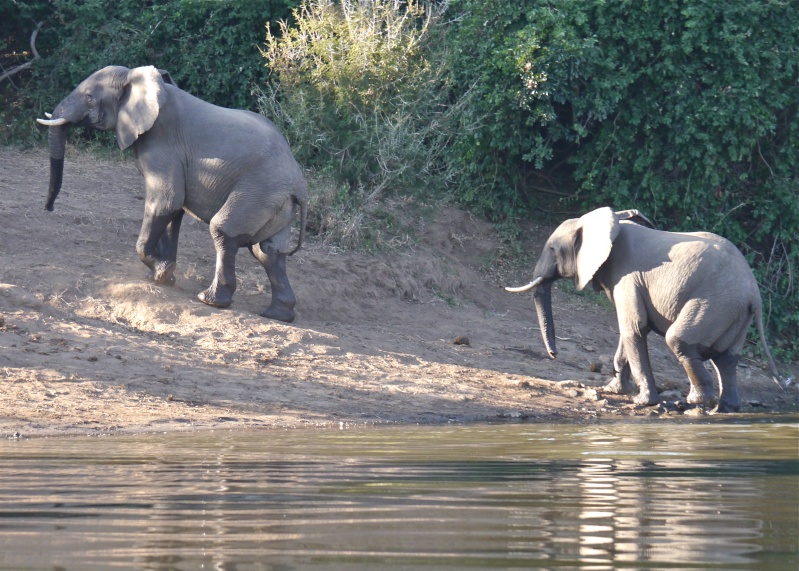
775,375
303,203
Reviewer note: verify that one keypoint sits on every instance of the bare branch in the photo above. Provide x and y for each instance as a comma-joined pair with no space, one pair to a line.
16,69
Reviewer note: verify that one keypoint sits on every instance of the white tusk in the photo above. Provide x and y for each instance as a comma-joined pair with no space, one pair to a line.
48,115
531,285
53,122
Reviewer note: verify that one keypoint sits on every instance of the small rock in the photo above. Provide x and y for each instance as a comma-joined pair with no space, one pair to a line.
524,384
461,340
573,393
589,348
595,367
591,394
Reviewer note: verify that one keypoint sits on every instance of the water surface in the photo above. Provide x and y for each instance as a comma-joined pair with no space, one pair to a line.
679,496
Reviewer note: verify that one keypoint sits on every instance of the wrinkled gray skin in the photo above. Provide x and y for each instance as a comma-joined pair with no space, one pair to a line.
695,289
232,169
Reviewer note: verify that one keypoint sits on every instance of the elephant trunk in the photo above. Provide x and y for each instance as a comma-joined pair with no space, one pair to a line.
543,307
57,140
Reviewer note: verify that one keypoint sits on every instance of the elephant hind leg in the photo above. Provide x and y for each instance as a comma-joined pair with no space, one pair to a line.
688,355
283,301
726,365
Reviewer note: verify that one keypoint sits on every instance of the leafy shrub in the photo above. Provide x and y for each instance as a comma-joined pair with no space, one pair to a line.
518,64
687,110
359,91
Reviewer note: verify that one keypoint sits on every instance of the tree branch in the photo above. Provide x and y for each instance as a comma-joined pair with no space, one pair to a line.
16,69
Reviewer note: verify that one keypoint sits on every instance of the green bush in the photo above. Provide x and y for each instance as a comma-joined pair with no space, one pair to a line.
359,91
687,110
518,64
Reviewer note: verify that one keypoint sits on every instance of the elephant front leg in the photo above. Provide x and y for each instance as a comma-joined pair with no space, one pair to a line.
283,301
167,253
633,348
157,246
220,293
641,368
621,383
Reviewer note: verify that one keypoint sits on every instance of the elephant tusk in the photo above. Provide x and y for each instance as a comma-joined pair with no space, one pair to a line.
53,122
48,115
531,285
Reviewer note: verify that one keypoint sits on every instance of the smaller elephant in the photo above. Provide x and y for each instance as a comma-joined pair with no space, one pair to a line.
230,168
695,289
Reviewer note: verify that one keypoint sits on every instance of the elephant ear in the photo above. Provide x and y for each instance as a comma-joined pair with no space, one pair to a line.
599,228
142,97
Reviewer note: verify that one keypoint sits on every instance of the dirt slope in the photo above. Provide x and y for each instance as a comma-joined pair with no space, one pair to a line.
88,346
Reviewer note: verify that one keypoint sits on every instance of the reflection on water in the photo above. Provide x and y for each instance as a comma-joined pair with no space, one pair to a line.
599,497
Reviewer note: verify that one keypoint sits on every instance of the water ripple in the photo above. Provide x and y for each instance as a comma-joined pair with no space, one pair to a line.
682,497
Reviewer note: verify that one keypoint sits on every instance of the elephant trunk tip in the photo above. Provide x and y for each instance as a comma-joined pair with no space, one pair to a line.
553,354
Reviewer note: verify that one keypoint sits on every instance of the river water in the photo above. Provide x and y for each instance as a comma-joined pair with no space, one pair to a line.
639,496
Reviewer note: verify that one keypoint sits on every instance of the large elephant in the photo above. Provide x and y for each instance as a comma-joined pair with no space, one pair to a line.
695,289
233,169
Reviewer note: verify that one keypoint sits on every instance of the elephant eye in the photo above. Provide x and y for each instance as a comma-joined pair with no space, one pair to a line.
89,97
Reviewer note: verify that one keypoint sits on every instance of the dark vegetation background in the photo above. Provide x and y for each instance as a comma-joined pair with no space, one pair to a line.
687,110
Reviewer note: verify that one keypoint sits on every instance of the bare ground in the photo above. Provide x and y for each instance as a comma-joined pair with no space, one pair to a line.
88,346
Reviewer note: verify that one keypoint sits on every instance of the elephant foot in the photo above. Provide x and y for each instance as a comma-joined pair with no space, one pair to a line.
617,386
646,399
163,275
727,405
214,299
698,396
280,312
725,408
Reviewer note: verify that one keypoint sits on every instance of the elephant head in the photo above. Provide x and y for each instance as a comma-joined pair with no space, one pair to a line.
115,98
576,249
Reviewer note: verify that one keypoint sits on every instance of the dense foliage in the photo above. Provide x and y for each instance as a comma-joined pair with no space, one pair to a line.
210,47
687,110
359,90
